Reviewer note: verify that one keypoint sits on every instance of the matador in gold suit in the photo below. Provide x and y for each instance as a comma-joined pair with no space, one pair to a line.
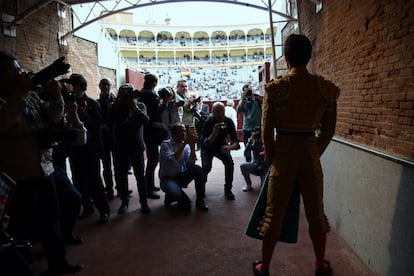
298,122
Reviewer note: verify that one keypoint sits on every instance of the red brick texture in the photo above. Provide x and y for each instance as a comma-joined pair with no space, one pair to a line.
367,49
36,44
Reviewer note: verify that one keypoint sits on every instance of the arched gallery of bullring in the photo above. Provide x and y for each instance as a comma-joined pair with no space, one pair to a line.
365,47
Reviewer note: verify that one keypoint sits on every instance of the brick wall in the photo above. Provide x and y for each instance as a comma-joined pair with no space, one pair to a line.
367,49
36,44
83,59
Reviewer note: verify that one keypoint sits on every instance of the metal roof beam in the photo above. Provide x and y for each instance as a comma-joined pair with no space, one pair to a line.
148,3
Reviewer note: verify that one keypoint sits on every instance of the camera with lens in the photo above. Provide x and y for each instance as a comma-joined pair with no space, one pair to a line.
165,93
134,93
130,91
197,100
69,97
57,68
178,103
222,125
196,113
249,93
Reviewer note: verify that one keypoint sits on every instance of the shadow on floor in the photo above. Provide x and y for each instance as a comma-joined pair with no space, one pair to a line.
173,242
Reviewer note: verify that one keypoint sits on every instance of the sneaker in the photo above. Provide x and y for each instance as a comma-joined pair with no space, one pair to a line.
103,218
145,210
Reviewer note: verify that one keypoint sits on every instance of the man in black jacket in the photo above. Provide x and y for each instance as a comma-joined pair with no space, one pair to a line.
85,159
152,102
219,138
106,100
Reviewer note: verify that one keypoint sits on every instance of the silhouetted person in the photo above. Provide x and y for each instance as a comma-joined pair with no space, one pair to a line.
25,155
129,117
301,109
152,102
85,159
106,100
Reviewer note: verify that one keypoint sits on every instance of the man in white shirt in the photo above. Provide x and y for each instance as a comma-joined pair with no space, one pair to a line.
230,112
185,104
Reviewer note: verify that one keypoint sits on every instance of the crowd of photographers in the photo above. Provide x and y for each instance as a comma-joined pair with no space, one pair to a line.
45,122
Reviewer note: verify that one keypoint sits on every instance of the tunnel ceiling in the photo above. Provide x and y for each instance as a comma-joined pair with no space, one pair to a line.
27,7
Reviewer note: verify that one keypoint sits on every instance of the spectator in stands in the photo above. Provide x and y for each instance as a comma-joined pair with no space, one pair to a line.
178,169
230,112
257,166
27,159
251,106
85,159
152,102
106,100
129,117
169,110
301,108
217,131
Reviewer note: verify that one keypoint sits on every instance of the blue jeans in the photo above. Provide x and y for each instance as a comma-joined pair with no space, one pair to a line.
172,187
254,168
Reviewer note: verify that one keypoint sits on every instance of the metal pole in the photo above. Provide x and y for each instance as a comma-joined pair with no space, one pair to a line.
272,33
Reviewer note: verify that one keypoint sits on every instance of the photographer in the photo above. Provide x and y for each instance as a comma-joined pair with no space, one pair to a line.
128,119
168,107
33,210
217,131
257,166
187,105
153,132
85,159
178,169
106,100
251,106
70,131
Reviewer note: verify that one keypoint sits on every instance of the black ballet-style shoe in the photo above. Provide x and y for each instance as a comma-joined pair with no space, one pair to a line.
123,208
259,272
145,209
201,205
87,212
324,272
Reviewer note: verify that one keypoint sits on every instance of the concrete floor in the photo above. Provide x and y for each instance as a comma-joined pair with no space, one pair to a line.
174,242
